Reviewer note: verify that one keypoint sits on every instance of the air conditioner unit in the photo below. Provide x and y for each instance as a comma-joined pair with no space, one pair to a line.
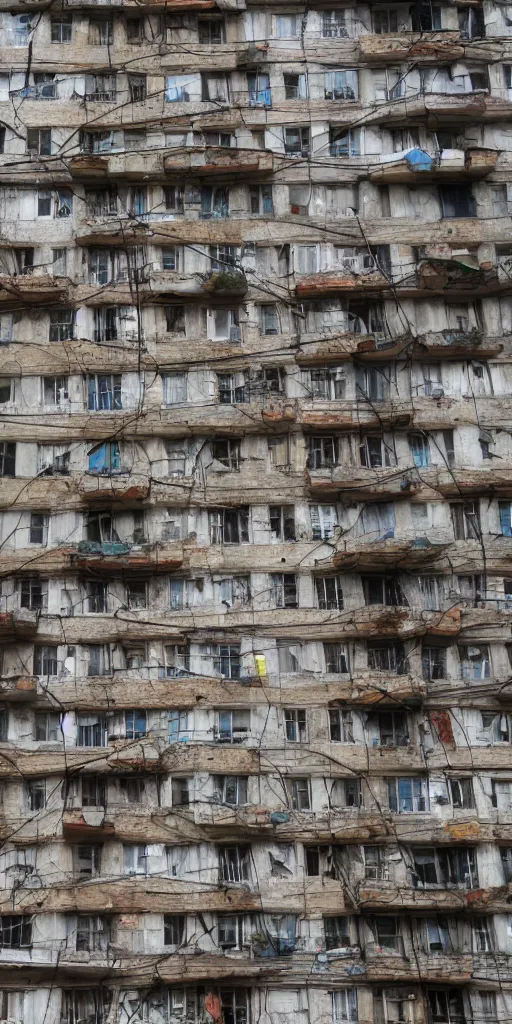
437,393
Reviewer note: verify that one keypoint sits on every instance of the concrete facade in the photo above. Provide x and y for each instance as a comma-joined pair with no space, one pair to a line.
255,512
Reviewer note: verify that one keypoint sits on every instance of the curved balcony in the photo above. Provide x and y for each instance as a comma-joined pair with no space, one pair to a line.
114,559
218,160
18,625
417,167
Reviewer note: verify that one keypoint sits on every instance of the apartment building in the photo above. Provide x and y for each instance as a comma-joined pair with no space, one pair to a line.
255,512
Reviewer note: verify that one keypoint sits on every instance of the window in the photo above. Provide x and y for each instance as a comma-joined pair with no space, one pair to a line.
227,661
135,859
420,450
99,659
96,596
181,789
387,934
231,931
100,88
174,929
297,142
506,863
432,587
175,319
234,863
179,727
222,256
374,382
101,31
322,452
45,660
48,727
7,458
336,930
345,142
260,198
344,1002
475,662
39,141
55,391
286,26
341,726
482,935
386,657
4,725
282,522
210,31
433,662
457,201
446,1006
375,864
229,525
334,24
466,520
346,793
134,30
104,392
86,862
214,202
340,85
38,530
230,789
135,724
392,728
284,590
383,590
100,528
324,383
324,521
15,931
298,794
336,658
36,789
61,28
295,725
136,598
105,459
269,320
62,323
91,731
461,792
94,791
505,511
34,594
227,452
384,22
295,86
329,593
137,88
407,795
91,933
232,388
233,726
258,88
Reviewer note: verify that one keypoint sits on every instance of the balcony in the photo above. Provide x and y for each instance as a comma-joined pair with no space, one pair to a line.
416,166
391,554
94,491
351,277
32,288
218,160
18,689
18,625
447,344
115,559
454,277
430,47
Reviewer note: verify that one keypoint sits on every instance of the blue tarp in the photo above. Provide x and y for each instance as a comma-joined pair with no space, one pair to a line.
418,160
